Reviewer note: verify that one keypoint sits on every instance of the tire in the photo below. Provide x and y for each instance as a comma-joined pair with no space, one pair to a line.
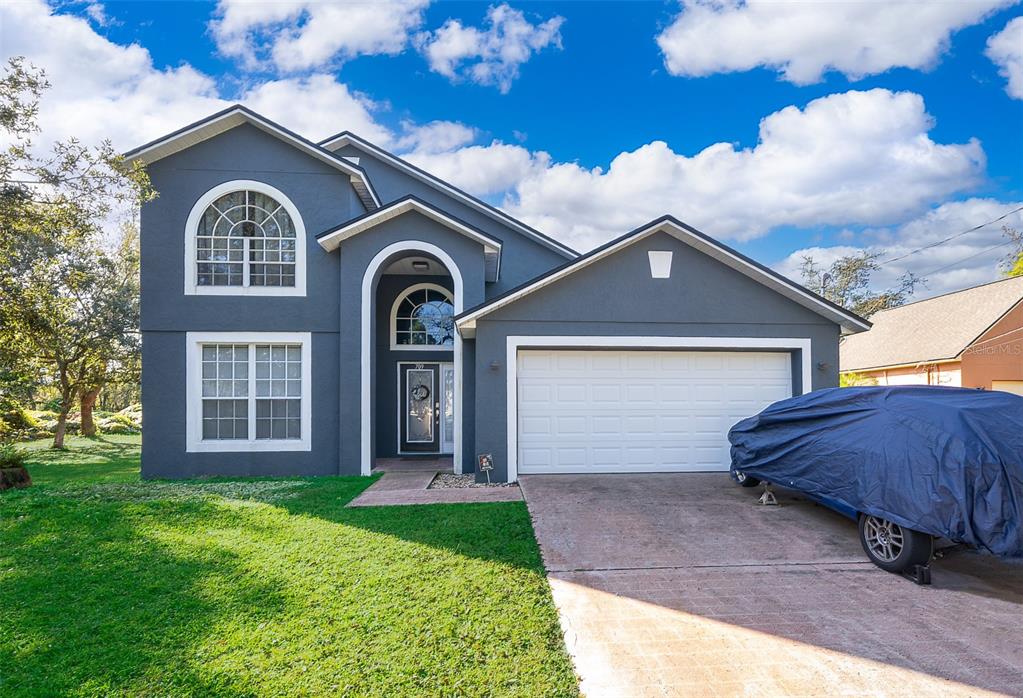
746,480
892,547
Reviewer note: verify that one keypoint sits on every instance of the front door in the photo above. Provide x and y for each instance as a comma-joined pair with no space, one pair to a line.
420,425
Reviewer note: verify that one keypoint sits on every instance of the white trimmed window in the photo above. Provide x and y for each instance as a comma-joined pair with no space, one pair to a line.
244,238
423,317
248,391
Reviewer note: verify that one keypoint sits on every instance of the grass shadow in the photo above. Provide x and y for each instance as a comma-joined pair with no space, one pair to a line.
269,587
99,599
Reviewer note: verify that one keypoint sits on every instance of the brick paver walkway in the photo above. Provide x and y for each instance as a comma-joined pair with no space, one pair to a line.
400,487
677,585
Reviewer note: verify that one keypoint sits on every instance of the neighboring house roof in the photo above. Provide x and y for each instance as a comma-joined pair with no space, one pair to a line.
344,138
850,322
331,239
935,329
237,115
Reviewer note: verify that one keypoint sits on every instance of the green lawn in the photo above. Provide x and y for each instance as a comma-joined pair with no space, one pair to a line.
111,586
110,458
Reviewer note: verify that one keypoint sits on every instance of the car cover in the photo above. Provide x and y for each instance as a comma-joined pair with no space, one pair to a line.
945,461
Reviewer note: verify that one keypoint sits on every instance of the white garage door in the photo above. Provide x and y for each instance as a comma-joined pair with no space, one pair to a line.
639,411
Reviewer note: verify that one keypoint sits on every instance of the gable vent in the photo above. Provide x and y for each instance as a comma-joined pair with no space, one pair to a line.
660,264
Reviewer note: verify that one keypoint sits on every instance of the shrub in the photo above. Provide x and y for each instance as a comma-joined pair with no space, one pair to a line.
11,457
16,416
134,413
118,424
12,468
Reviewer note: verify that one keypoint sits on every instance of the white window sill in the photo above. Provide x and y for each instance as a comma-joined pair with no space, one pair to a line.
245,291
241,446
420,347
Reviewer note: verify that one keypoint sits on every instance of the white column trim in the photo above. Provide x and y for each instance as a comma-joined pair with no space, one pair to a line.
515,342
366,364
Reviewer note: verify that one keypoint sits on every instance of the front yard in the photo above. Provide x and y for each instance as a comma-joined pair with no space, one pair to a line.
263,587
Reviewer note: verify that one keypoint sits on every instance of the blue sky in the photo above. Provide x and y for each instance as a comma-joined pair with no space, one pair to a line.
594,85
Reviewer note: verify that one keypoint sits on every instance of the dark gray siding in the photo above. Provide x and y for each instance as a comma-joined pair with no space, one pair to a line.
324,197
522,257
617,297
386,385
163,399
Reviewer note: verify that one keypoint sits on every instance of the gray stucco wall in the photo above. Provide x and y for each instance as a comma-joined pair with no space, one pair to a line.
331,309
522,258
617,297
324,197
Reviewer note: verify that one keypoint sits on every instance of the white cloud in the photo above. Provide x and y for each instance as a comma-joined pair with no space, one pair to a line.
435,136
327,107
483,170
97,12
965,261
803,40
852,159
856,158
490,56
101,89
296,35
1006,50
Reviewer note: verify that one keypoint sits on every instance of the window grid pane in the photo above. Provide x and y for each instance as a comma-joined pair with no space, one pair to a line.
425,317
226,398
279,378
236,219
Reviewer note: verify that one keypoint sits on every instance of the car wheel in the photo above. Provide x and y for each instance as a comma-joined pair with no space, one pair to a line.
892,547
746,480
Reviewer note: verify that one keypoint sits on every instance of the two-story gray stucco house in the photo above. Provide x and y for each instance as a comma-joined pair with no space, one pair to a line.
309,307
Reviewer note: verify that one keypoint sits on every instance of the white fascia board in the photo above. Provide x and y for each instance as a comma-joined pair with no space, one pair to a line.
333,240
203,131
346,139
847,322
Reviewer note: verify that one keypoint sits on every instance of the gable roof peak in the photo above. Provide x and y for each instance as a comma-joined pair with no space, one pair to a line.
236,115
848,320
343,138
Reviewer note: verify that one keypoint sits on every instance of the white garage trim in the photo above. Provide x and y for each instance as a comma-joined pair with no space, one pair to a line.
516,342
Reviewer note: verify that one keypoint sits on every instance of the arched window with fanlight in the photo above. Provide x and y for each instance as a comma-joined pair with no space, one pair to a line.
245,238
423,317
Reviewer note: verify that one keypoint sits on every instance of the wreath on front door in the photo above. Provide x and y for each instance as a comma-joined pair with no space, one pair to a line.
420,393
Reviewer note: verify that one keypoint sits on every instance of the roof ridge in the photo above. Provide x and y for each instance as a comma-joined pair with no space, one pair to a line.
950,293
545,239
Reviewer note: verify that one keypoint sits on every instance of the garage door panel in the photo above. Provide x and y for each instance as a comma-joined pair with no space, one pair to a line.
635,411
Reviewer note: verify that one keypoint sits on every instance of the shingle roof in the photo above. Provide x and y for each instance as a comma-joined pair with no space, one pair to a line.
935,329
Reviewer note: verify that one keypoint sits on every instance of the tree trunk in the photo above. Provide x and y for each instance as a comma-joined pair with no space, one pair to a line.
88,403
58,434
67,397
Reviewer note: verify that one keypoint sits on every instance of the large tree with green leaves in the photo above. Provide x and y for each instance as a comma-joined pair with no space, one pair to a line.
68,297
847,282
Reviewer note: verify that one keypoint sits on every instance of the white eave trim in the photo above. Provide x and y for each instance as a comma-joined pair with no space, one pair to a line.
849,323
202,131
344,139
333,240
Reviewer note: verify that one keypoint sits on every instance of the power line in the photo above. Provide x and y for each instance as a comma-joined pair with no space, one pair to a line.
952,237
965,259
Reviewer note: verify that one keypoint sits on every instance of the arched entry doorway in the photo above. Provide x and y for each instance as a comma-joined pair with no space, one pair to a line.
393,348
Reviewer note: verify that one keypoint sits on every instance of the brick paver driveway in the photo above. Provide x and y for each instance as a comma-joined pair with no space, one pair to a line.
680,585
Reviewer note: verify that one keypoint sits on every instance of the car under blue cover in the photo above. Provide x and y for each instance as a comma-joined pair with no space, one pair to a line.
947,462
